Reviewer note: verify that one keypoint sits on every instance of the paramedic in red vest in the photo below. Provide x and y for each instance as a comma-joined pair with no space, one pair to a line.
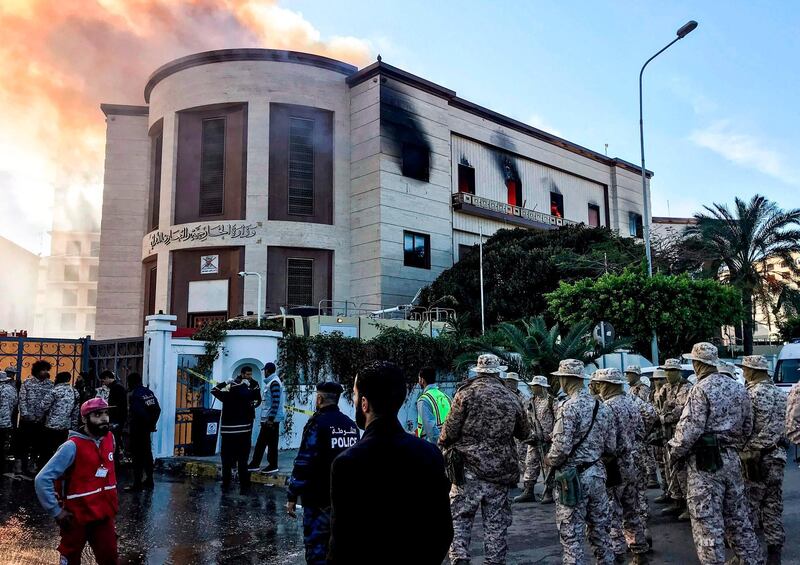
78,488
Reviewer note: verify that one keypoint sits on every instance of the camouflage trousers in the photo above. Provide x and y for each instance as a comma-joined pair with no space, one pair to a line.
719,510
626,525
592,513
676,479
650,465
522,456
533,466
658,453
766,500
495,505
316,532
643,453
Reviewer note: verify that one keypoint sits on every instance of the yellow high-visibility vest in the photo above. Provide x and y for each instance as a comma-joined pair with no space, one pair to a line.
440,403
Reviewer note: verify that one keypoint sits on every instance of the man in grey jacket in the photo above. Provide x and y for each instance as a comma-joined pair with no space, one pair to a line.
8,404
31,418
62,412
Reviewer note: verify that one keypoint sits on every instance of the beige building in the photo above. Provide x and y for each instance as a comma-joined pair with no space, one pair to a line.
332,183
17,287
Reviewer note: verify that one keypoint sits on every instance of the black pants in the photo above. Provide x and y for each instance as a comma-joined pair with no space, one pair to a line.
5,445
267,438
52,440
234,451
142,456
29,443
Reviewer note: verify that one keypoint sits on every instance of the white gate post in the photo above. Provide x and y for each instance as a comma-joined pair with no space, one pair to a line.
160,374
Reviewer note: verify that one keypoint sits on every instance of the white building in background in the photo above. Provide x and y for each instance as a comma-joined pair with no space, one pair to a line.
332,183
17,287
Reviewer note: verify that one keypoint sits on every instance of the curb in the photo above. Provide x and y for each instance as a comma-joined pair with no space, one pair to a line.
210,470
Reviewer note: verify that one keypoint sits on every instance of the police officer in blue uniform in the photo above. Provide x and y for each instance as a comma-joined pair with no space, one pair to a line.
326,435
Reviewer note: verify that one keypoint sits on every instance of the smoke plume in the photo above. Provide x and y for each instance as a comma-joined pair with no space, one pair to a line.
60,60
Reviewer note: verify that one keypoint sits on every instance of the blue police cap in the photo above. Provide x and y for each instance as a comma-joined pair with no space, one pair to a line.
330,388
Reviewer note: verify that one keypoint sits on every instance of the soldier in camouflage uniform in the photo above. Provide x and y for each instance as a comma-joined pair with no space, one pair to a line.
642,391
627,529
643,452
541,416
582,434
483,423
793,414
764,456
669,401
718,413
658,379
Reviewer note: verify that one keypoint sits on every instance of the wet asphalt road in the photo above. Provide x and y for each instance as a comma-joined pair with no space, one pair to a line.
191,521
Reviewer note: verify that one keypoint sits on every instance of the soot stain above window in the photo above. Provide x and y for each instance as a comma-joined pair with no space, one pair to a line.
401,125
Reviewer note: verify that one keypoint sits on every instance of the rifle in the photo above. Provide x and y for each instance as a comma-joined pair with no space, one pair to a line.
548,476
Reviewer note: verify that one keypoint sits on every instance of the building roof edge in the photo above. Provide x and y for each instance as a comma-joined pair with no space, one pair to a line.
124,110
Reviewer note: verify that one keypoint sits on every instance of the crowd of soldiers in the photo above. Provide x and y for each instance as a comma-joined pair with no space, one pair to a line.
719,447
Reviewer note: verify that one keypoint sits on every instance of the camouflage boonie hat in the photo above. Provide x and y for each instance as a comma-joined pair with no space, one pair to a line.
570,368
512,377
611,375
757,362
726,368
635,369
704,352
671,365
645,381
489,364
539,380
657,374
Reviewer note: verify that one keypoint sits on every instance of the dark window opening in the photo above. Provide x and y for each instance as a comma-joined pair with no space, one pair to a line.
514,187
594,215
464,250
299,282
466,179
416,161
416,250
93,270
635,226
155,182
71,273
556,205
212,167
301,167
74,248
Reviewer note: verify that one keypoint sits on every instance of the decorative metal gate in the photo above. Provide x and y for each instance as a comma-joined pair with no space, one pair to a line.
122,356
70,355
193,391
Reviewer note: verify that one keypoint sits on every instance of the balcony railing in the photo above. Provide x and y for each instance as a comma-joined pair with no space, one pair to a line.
502,212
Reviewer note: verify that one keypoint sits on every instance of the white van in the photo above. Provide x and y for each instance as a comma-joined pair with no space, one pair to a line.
787,368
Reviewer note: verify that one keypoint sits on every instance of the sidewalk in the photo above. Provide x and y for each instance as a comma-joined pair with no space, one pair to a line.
211,467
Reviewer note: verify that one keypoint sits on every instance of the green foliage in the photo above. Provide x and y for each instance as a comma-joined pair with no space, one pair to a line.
520,266
790,328
682,310
214,334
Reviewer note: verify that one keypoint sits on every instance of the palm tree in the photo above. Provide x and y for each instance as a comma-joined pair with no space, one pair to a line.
741,241
530,347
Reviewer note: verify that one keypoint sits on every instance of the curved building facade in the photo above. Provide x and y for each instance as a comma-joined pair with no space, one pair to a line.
331,183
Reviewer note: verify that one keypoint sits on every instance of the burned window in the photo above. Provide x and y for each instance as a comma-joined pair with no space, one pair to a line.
416,250
556,204
635,226
299,282
212,167
594,215
416,161
512,181
466,179
301,166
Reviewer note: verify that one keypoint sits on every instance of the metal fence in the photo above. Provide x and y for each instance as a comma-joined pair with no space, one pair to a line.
65,355
122,356
193,391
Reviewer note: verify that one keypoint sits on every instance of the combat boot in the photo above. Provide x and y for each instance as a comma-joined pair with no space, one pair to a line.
774,554
684,516
527,494
663,499
547,497
639,559
675,509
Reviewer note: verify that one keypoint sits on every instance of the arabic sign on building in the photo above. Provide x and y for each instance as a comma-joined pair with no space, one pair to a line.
209,264
206,232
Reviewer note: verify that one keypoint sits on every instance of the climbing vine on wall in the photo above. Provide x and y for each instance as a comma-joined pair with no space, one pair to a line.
214,334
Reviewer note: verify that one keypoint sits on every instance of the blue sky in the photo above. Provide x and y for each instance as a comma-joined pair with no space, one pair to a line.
720,105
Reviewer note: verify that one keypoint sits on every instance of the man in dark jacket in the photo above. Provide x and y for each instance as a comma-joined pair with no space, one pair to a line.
144,414
118,415
239,398
327,434
388,478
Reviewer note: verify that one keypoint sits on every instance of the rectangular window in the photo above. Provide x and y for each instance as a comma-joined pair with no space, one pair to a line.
514,187
416,161
69,297
416,250
301,166
464,250
93,273
155,180
556,204
90,323
71,273
594,215
299,282
68,321
635,227
212,167
91,297
95,249
74,248
466,179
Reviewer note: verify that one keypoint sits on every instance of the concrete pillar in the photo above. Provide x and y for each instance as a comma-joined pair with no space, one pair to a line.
160,374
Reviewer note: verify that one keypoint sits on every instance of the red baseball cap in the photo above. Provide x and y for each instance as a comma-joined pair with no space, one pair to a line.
94,405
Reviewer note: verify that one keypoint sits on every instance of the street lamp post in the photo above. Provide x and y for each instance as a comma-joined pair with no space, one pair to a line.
258,303
685,30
